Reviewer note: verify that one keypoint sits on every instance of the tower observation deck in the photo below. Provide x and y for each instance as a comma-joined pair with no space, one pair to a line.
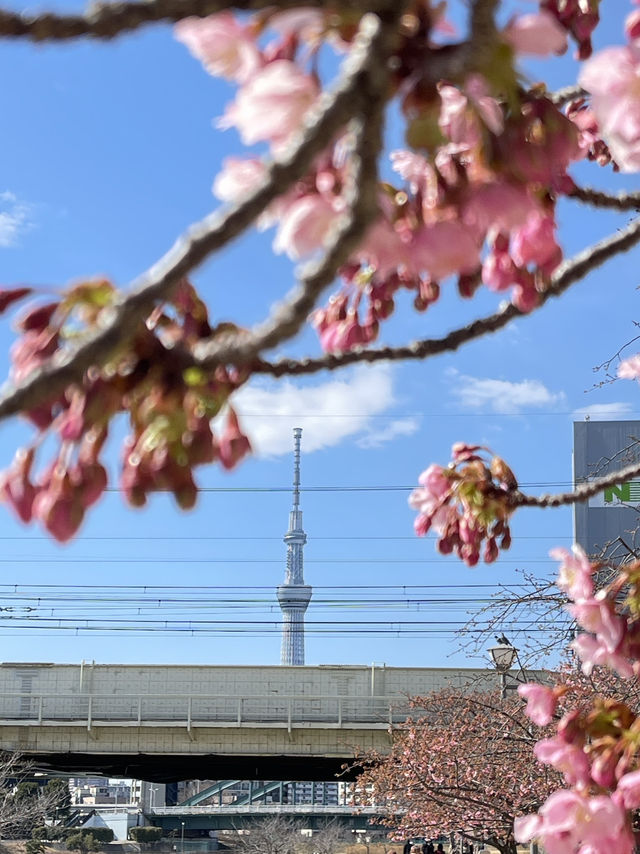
294,594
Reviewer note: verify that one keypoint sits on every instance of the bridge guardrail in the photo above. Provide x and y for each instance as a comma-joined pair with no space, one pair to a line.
201,710
288,809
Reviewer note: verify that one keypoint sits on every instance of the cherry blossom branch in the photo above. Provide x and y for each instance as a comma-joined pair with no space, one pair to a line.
599,199
566,275
108,20
362,207
580,493
363,69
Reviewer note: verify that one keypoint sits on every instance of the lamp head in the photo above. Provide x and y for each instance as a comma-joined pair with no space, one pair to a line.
503,655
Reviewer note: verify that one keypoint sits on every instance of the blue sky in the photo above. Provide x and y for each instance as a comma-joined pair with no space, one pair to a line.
108,153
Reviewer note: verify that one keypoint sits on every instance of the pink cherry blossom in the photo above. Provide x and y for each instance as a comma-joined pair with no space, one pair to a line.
535,242
593,653
477,90
612,77
413,168
382,248
304,225
462,112
628,789
444,248
304,23
567,758
536,34
435,481
541,702
271,105
575,575
598,617
239,175
572,821
499,205
456,121
498,270
629,369
527,827
222,44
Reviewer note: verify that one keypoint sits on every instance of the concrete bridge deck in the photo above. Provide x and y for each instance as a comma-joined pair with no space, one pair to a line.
166,723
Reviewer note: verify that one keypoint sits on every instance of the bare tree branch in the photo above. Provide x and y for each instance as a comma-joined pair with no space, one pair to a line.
334,110
567,274
599,199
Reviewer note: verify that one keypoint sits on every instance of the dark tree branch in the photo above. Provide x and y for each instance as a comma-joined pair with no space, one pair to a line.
599,199
333,112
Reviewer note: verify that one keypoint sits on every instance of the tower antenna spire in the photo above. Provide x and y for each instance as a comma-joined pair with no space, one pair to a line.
297,436
294,595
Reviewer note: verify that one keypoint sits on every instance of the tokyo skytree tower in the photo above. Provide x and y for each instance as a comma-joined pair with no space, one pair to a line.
294,594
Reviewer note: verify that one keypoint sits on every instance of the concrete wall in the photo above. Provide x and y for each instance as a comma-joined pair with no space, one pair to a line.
324,680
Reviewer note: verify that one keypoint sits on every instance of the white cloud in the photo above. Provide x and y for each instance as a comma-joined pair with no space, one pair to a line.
15,219
603,410
328,412
501,395
398,427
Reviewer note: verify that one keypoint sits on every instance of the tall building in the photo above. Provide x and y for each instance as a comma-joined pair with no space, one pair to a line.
294,594
606,526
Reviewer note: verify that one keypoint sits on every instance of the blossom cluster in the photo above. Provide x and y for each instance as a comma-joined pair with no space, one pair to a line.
595,747
478,192
466,504
169,407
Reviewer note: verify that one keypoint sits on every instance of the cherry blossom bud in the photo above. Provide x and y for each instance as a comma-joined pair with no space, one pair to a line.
632,25
38,318
10,295
16,487
233,445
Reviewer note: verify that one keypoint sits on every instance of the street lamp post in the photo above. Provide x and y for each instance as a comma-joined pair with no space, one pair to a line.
503,656
182,838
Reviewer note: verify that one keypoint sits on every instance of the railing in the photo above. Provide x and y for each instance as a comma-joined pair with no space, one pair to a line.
277,809
201,710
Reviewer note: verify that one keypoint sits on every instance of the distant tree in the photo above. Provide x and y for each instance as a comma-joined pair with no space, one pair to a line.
273,835
23,804
146,835
25,790
100,834
34,846
466,765
328,839
57,791
83,842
